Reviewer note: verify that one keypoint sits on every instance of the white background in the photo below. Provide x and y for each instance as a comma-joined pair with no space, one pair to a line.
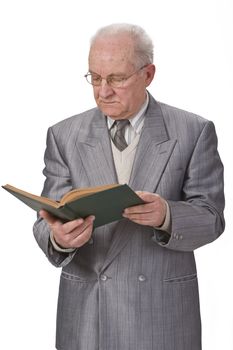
44,48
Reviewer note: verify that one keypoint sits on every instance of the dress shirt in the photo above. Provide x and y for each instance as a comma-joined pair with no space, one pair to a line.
135,126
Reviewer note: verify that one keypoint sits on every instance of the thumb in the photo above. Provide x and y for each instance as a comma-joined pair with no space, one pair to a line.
147,197
48,217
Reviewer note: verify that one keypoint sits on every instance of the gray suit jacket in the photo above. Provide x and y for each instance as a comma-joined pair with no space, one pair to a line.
132,287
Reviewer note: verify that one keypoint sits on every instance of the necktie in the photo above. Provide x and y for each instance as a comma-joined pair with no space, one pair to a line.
119,138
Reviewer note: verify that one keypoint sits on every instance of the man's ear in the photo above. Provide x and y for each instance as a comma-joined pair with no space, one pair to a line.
149,73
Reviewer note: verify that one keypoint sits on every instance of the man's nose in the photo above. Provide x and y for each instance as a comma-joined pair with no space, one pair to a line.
105,90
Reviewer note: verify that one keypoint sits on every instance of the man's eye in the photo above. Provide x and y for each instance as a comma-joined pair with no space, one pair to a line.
96,78
116,79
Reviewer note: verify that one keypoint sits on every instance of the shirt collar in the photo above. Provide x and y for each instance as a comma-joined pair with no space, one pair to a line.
135,119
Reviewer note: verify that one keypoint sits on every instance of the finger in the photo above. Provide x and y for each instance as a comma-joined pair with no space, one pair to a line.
143,219
83,237
70,226
147,196
141,208
51,220
142,222
139,193
141,216
147,221
78,230
81,240
153,218
70,239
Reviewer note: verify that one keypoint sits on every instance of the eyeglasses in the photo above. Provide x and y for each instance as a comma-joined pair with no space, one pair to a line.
113,80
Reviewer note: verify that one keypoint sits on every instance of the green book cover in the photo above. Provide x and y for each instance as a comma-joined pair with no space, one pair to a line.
106,203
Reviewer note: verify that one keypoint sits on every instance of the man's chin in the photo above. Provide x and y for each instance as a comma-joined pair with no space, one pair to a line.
110,111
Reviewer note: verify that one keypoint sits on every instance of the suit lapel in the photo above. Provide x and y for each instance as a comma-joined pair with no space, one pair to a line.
96,153
153,152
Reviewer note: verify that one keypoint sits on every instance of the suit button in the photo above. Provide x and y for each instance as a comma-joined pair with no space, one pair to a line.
141,278
103,278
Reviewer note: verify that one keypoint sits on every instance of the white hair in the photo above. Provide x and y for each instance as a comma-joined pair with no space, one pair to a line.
143,45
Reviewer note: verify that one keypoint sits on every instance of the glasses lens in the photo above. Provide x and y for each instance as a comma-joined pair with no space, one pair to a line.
116,81
88,78
93,79
112,80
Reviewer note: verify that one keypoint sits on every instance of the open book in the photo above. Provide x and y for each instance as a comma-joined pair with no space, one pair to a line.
106,203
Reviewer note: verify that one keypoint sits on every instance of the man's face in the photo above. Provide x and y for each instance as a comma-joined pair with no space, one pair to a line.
115,56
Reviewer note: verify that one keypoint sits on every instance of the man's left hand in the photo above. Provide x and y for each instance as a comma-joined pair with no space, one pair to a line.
152,213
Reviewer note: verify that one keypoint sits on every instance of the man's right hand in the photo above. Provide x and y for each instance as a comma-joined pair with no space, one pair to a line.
72,234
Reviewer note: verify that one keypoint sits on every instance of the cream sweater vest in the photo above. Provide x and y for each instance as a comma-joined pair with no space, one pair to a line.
124,163
124,160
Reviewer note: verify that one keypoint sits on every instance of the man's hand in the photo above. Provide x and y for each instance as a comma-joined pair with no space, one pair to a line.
152,213
72,234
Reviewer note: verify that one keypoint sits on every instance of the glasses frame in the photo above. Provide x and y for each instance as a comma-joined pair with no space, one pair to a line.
111,76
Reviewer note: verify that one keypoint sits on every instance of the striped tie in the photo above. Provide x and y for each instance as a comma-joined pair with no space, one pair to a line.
119,138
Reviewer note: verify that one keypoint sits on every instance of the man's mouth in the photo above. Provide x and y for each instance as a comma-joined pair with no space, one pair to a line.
107,102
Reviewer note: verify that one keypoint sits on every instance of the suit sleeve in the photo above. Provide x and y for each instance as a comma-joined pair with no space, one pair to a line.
57,183
198,218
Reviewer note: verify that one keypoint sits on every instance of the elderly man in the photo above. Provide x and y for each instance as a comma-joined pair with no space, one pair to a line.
131,284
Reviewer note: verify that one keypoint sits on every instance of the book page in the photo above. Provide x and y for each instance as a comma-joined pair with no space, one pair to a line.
40,199
83,192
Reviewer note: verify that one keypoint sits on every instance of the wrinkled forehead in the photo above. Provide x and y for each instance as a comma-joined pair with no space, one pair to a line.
112,52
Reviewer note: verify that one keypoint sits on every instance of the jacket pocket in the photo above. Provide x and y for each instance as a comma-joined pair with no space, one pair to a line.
74,278
181,278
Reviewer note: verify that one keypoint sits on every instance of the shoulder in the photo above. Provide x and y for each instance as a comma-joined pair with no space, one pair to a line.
176,116
180,115
76,121
180,122
67,131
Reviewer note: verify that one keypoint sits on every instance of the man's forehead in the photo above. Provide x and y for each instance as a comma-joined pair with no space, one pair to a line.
115,54
119,45
110,65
